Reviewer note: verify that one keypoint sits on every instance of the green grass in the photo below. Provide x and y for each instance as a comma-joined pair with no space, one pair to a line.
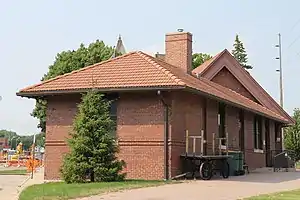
288,195
13,172
61,190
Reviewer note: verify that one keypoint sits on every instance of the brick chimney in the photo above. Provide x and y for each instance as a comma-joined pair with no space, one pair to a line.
179,50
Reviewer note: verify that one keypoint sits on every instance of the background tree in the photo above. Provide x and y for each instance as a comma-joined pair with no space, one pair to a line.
239,53
25,139
92,146
68,61
292,136
199,59
10,135
7,134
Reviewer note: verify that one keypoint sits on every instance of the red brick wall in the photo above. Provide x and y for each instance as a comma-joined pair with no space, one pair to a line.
187,114
253,159
60,113
179,50
211,123
226,79
140,130
232,127
141,135
4,142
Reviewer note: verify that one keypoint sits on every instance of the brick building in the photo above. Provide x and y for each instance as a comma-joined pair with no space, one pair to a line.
157,100
3,142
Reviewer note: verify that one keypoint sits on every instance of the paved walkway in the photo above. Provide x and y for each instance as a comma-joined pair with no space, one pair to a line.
230,189
12,185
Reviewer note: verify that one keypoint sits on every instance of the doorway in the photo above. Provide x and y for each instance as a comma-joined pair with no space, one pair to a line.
268,145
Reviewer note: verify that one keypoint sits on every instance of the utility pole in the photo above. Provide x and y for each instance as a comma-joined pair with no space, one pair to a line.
33,158
280,70
280,82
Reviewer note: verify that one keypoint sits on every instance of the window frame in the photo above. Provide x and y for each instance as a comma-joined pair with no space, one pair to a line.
113,110
258,133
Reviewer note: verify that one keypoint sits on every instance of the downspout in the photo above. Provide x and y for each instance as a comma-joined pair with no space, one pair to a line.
166,135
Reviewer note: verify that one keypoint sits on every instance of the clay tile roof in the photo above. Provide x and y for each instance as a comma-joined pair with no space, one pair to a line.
139,70
129,70
207,63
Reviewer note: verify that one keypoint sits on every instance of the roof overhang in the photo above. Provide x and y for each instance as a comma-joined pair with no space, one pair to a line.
38,94
41,94
236,105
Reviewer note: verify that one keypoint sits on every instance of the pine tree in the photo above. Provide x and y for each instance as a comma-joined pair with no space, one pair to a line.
240,54
92,146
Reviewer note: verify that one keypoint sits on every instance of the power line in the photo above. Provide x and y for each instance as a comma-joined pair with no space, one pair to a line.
295,25
294,41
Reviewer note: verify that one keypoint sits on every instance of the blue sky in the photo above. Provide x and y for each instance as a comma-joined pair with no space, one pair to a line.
33,32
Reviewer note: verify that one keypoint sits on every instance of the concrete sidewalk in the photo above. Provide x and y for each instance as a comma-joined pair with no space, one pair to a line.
222,189
12,185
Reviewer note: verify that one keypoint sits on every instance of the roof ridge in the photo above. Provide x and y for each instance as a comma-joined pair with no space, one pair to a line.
263,90
152,61
210,61
249,100
76,71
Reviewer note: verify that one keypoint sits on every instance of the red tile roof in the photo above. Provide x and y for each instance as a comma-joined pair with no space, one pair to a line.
139,70
129,70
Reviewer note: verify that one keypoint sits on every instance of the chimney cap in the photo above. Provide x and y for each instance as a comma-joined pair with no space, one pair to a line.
180,30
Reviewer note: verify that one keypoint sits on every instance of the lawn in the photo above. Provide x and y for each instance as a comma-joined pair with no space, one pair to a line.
289,195
14,172
61,190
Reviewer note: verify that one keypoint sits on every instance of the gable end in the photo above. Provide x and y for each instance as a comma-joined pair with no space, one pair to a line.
226,79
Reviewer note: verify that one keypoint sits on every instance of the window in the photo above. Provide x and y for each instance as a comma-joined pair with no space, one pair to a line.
258,142
113,109
277,132
221,122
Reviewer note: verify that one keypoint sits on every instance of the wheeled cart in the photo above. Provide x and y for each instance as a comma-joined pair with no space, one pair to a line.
202,165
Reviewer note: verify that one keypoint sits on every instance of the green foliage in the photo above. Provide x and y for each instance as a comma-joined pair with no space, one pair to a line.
68,61
199,59
40,113
25,139
292,136
7,134
40,139
92,146
239,53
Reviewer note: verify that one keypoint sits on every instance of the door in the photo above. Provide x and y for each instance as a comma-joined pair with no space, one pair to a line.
241,131
278,142
268,145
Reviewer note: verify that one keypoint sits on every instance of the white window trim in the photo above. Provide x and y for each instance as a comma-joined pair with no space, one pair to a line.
258,151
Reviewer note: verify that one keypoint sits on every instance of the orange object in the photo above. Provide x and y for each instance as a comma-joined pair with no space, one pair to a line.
32,164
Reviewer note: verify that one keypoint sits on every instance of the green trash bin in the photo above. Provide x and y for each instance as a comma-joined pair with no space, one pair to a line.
236,162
